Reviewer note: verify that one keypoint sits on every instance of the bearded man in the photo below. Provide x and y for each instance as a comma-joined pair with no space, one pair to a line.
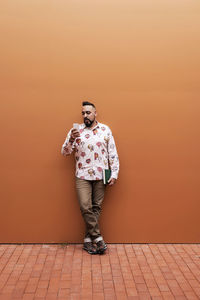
95,150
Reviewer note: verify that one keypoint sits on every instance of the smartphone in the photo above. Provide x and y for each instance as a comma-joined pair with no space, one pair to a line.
76,126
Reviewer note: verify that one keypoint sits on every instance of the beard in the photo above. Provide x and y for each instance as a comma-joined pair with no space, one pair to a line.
88,123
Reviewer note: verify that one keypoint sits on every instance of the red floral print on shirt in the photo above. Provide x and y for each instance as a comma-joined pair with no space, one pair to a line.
98,144
79,165
99,169
95,131
83,154
96,155
78,141
93,151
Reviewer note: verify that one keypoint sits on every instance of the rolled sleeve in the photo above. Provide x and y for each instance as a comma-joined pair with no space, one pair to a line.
113,156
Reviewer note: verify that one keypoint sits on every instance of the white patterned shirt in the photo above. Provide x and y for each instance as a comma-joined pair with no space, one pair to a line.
95,150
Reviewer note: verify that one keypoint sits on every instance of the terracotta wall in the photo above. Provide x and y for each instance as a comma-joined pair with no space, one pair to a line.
139,62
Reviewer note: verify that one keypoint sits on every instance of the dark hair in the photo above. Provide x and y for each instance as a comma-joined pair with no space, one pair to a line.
88,103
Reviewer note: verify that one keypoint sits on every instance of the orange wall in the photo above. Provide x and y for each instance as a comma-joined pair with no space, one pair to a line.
139,62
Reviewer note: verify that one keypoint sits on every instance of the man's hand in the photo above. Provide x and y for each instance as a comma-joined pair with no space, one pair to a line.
74,134
111,181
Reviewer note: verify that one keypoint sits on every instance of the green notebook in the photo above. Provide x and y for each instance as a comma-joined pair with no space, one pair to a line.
106,175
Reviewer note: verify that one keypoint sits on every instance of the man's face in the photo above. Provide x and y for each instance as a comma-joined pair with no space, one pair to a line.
89,115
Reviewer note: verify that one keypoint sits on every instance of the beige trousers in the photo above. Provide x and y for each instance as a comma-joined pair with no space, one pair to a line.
90,196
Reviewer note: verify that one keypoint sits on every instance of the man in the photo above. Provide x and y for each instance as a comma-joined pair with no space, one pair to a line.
95,150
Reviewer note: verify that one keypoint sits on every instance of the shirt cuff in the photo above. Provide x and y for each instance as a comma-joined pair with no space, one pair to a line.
67,150
114,175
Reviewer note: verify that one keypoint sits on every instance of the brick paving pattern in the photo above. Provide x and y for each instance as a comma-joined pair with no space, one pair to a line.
126,271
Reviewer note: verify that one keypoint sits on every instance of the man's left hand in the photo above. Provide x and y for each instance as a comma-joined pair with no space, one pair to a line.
111,181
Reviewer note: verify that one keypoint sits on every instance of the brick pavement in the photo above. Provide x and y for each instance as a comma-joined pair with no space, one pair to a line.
126,271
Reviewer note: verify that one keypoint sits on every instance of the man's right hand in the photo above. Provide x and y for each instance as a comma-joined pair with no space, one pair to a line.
74,134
